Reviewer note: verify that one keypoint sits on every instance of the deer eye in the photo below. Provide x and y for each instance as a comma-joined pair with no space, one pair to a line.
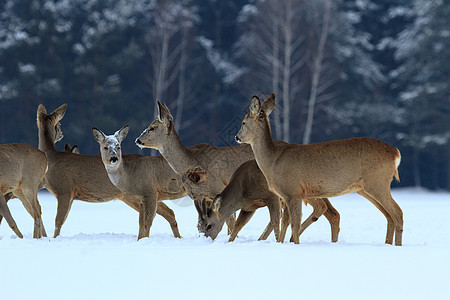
151,129
209,227
243,123
106,148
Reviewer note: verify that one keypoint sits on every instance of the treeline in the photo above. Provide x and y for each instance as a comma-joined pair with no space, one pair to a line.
339,69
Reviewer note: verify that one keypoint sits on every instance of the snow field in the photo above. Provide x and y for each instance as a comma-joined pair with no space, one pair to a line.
97,255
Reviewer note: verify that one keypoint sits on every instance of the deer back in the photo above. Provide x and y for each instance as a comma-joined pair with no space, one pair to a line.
20,164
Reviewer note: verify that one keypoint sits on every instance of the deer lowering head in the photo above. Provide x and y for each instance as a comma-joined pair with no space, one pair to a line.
110,149
210,222
158,133
256,122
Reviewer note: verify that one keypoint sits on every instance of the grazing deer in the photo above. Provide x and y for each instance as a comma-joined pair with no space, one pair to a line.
248,191
147,179
22,169
298,172
83,177
206,173
70,149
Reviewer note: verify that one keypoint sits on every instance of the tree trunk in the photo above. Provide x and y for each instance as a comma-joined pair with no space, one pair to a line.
181,82
317,66
287,70
276,70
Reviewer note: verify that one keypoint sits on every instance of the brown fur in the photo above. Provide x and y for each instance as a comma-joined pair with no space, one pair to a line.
22,169
295,172
83,177
147,179
217,163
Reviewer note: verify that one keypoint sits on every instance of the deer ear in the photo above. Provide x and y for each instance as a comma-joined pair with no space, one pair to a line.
99,136
268,104
198,208
41,113
255,106
216,203
58,113
75,149
121,134
164,115
196,175
67,148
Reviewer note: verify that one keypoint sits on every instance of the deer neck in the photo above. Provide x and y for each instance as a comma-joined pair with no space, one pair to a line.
117,175
46,144
264,149
177,155
227,209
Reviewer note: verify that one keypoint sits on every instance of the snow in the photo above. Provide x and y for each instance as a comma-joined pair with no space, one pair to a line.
97,255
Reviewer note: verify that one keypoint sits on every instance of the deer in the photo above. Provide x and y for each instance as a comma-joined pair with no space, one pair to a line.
206,173
73,176
247,192
147,179
22,170
70,149
295,172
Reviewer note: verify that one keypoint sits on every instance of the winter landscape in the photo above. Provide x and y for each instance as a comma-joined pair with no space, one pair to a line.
98,256
340,69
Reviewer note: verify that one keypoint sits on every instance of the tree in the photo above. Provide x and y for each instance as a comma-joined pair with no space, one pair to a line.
421,49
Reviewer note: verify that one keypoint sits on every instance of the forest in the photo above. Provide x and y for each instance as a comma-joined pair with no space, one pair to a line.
339,69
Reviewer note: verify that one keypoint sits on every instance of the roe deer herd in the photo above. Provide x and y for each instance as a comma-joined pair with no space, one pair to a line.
220,180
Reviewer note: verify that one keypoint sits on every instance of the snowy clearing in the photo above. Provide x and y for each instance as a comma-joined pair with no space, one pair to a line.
97,255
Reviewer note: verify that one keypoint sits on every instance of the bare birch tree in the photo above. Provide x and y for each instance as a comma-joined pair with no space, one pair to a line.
316,72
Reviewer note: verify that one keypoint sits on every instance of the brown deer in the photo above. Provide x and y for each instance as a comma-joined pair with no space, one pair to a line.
248,191
147,179
22,170
83,177
298,172
206,173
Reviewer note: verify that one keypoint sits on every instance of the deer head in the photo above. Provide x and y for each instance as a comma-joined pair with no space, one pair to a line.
257,120
49,123
157,134
209,221
110,145
69,149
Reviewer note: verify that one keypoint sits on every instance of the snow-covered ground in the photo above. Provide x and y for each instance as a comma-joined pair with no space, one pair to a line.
97,255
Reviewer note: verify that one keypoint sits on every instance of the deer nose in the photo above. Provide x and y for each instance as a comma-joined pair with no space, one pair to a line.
138,141
237,139
114,159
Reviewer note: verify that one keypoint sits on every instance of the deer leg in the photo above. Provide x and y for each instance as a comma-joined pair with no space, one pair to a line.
34,209
399,224
7,197
4,211
231,223
274,207
147,211
319,207
164,211
267,231
295,210
62,211
333,218
382,195
285,221
390,221
244,217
